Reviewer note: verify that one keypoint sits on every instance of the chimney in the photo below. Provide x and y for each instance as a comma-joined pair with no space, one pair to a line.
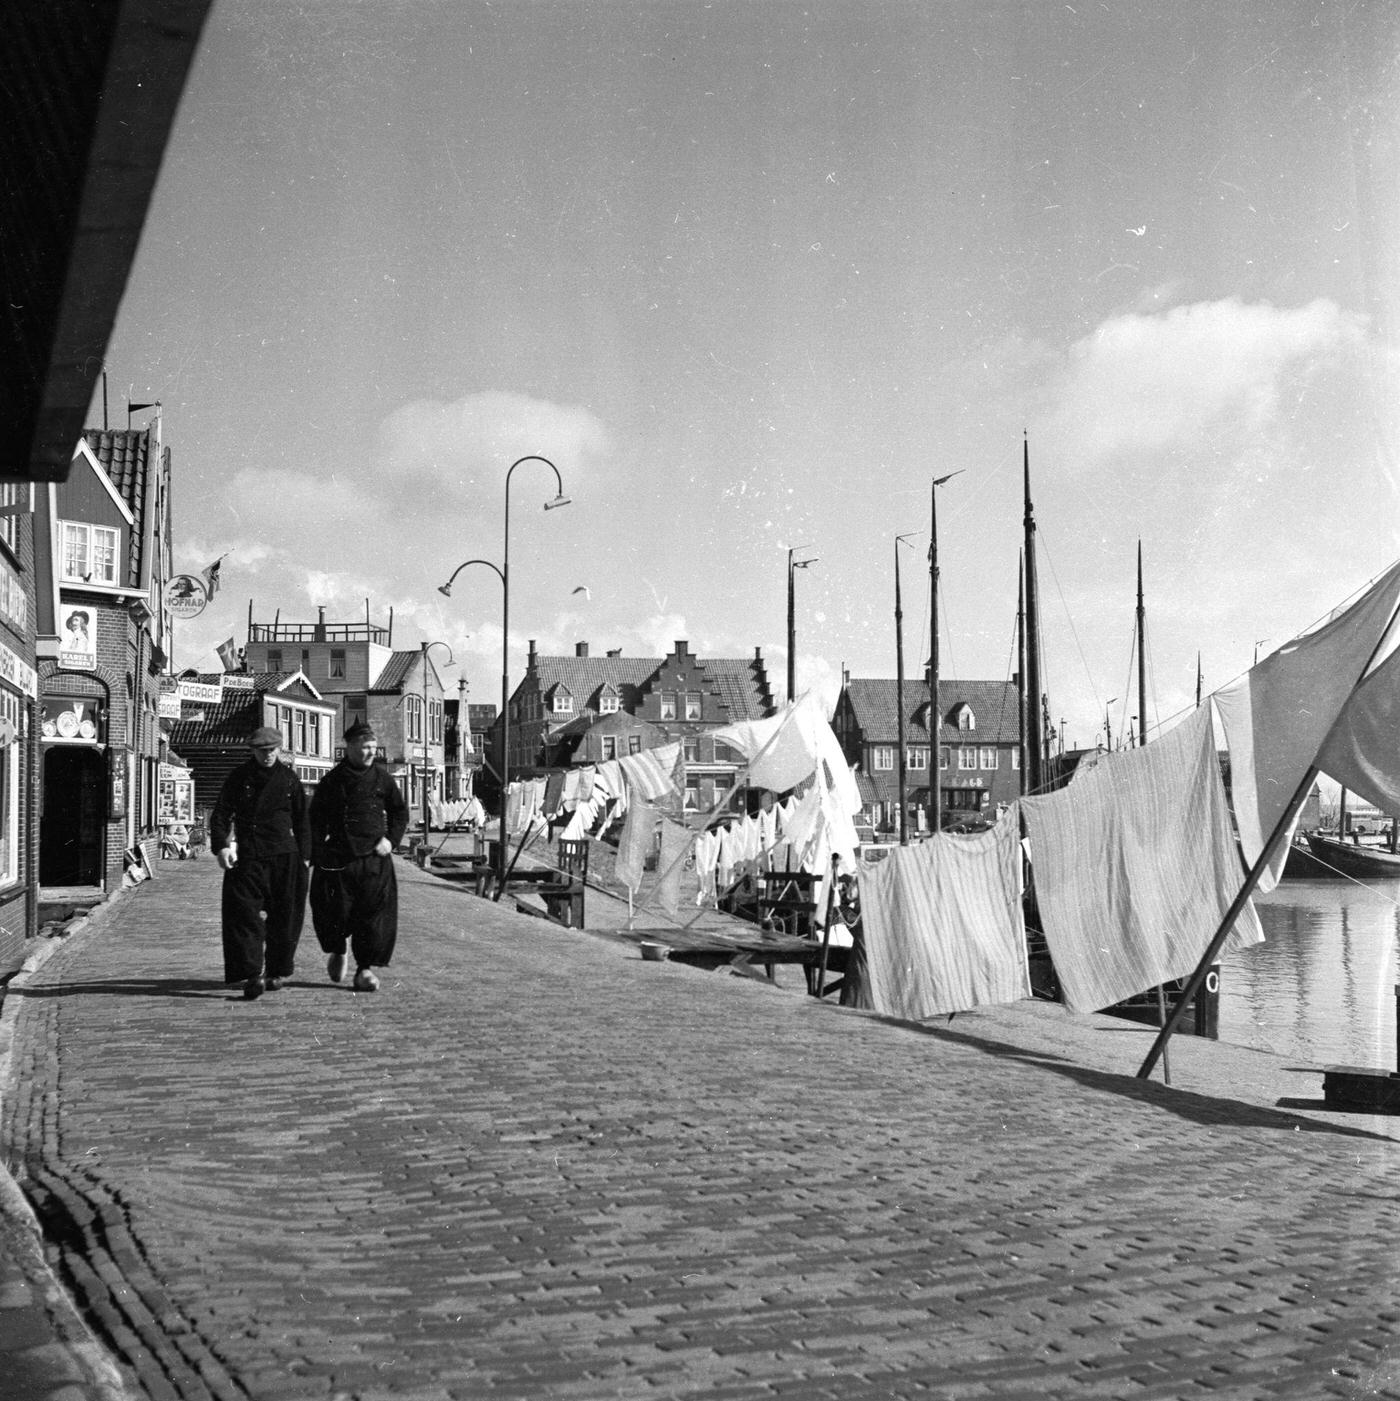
758,654
532,657
580,649
614,651
320,634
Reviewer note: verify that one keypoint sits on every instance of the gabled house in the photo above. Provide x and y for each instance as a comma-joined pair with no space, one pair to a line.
103,559
582,709
212,737
974,740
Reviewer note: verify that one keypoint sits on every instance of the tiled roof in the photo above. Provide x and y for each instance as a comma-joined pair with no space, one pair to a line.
738,681
994,706
237,715
396,669
125,456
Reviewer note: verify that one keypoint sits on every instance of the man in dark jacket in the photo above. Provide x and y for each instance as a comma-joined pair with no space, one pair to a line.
358,817
262,840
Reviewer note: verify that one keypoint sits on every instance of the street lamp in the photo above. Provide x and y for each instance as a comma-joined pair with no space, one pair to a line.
792,624
504,572
427,759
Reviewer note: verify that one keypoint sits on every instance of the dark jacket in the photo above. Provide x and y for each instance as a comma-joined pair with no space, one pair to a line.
267,811
351,810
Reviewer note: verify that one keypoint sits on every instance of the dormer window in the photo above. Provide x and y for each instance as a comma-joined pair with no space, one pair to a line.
563,701
966,720
608,703
90,553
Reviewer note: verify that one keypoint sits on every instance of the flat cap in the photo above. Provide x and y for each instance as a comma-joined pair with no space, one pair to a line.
265,736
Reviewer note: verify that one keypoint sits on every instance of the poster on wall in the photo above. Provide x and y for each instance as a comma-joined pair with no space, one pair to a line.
116,783
77,637
176,802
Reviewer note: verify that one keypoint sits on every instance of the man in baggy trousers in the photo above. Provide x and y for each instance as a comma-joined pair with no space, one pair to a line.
358,817
262,841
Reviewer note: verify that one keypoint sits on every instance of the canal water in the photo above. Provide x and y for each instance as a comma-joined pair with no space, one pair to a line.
1322,986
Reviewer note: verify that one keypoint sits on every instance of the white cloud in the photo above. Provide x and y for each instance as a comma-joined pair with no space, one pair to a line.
1145,383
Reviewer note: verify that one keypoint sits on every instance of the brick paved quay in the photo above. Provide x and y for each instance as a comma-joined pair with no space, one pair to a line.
536,1166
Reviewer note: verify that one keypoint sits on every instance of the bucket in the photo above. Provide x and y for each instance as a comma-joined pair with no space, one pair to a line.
654,952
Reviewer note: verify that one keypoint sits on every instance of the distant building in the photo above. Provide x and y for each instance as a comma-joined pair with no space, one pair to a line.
465,745
213,741
103,554
977,748
583,709
355,666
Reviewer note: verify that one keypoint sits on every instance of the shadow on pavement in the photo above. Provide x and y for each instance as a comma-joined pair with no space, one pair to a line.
1185,1104
136,987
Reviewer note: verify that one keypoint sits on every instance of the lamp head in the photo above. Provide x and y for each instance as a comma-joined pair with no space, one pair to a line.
560,500
445,590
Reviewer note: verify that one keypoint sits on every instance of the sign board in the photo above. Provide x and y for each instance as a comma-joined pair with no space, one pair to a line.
168,707
17,672
116,783
235,681
204,692
173,772
176,802
186,596
77,637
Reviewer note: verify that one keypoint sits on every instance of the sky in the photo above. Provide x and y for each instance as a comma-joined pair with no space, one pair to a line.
752,276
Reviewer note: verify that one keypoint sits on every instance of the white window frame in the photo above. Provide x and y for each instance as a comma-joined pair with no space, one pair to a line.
966,719
668,705
882,758
988,756
917,756
609,746
608,704
563,703
335,664
86,572
967,756
693,705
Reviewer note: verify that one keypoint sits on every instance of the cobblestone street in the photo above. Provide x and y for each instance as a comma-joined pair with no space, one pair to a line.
536,1166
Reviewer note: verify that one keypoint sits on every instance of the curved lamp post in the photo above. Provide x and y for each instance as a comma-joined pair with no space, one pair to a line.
504,574
427,758
792,620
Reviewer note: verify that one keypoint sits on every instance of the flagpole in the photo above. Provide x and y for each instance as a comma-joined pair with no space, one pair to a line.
1256,871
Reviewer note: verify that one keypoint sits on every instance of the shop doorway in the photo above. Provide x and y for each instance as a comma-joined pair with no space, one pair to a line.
72,830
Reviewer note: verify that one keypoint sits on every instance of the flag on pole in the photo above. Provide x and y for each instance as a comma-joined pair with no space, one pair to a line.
228,655
211,578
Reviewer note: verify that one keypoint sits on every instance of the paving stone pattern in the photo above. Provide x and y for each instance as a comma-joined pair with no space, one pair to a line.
535,1166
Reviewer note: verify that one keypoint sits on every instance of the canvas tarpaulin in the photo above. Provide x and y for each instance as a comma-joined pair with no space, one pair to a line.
1278,715
942,924
1135,866
1363,751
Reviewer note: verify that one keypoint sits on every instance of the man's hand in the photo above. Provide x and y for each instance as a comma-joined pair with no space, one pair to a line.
383,847
226,858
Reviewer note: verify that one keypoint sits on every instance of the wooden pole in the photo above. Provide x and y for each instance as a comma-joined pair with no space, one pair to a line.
1035,746
899,698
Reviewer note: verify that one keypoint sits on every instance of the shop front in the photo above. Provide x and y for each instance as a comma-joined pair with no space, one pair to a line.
84,783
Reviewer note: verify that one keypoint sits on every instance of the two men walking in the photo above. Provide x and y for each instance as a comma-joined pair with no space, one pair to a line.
265,836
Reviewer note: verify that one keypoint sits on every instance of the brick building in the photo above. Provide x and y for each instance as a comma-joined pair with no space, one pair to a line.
103,560
584,709
978,747
213,740
355,666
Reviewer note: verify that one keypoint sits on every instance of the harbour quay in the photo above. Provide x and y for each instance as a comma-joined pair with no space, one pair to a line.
536,1165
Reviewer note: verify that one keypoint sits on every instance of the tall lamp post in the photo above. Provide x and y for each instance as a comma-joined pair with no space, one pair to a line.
427,758
792,620
899,695
504,572
935,712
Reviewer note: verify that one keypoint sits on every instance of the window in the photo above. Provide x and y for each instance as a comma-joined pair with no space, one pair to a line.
883,757
301,732
9,525
967,757
89,553
610,746
274,659
918,757
314,733
634,744
413,718
608,703
966,719
283,722
12,715
727,754
942,756
435,721
692,751
1015,758
989,757
668,706
563,703
356,710
335,668
692,705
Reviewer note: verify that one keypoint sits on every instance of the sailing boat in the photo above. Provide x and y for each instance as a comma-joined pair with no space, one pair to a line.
1337,856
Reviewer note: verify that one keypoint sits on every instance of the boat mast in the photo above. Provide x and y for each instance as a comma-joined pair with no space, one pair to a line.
899,695
1142,656
1035,747
1021,664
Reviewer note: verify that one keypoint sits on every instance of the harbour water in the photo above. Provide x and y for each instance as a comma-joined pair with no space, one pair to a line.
1322,986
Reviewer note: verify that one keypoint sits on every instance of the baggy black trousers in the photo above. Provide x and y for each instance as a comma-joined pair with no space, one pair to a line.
274,886
358,904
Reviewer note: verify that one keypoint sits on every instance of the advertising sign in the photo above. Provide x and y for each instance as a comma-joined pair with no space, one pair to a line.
116,784
77,637
186,596
169,705
203,692
176,802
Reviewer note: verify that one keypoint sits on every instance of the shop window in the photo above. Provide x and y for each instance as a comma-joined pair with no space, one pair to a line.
90,553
